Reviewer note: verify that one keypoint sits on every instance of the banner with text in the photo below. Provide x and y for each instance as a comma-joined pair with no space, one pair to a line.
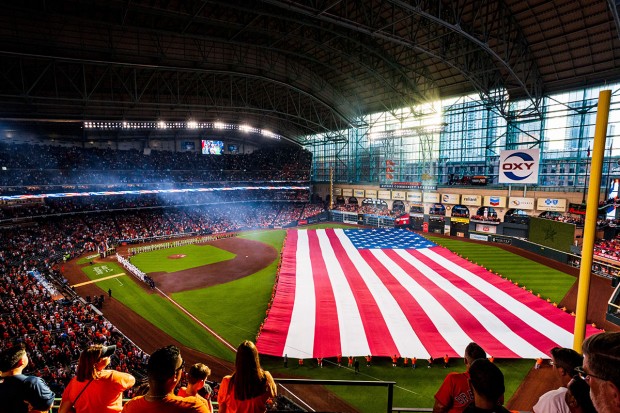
472,200
520,203
519,166
551,204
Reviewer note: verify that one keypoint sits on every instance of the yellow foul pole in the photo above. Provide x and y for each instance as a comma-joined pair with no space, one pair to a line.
589,230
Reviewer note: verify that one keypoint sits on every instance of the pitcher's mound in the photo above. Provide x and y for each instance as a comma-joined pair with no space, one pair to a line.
176,256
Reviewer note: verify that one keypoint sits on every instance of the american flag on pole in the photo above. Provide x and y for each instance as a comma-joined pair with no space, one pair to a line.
390,291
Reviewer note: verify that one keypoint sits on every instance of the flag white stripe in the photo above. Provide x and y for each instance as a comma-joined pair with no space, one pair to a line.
489,321
449,328
546,327
352,334
405,338
300,337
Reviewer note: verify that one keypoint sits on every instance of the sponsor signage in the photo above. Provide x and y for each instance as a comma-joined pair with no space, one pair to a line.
460,220
519,166
551,204
409,185
473,200
384,194
347,192
450,199
371,193
431,197
399,195
414,197
520,203
358,193
337,191
495,201
489,229
479,237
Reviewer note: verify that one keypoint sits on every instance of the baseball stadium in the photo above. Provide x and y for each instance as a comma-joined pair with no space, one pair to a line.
359,191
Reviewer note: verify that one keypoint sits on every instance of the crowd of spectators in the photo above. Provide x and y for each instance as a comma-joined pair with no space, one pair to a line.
52,167
54,323
607,248
72,205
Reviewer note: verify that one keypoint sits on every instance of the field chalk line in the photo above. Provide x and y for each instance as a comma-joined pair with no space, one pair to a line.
99,279
197,321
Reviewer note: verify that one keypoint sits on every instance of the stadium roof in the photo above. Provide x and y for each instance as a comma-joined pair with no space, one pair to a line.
294,68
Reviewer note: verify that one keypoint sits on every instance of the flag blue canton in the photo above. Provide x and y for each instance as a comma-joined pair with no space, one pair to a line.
386,238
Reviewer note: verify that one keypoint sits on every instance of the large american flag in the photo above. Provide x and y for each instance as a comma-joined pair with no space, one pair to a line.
390,291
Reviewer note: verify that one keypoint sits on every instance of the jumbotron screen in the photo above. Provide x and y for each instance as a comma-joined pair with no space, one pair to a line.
212,147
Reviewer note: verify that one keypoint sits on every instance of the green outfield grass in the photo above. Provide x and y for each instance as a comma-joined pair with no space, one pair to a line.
195,256
550,283
236,309
414,388
156,309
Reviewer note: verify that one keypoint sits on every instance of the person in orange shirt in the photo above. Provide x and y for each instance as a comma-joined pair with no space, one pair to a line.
164,369
350,361
405,362
339,359
94,388
539,362
250,387
446,360
414,362
394,360
368,360
196,377
455,393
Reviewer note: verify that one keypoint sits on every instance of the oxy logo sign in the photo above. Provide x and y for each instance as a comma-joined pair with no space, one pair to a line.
520,166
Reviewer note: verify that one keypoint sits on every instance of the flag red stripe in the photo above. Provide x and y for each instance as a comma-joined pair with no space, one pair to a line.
520,327
472,327
424,328
327,332
377,332
272,337
524,296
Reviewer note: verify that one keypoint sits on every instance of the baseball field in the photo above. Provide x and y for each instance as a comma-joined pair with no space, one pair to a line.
211,296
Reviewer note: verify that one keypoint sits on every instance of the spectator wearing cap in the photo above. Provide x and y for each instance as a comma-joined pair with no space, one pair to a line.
487,384
601,370
564,361
95,389
165,369
20,393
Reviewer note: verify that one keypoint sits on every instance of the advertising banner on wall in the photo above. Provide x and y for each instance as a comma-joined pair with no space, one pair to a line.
473,200
399,195
450,199
347,192
337,191
490,229
519,166
551,204
371,193
520,203
495,201
358,193
384,194
431,197
414,197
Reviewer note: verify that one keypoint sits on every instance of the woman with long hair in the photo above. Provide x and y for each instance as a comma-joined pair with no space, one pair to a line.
95,389
250,387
